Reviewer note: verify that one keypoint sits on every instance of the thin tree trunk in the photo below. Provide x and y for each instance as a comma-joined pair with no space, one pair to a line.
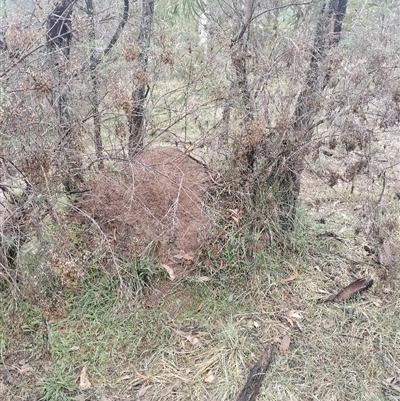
94,62
226,116
245,154
121,25
289,166
59,36
246,150
139,93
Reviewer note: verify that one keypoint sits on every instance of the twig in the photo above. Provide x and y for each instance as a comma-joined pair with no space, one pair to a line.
383,189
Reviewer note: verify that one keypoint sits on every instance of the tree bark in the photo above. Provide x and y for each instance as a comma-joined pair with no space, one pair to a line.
94,62
139,93
289,166
257,374
59,37
122,23
245,154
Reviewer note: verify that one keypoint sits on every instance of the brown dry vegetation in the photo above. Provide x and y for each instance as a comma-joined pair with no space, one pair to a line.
154,206
148,278
196,337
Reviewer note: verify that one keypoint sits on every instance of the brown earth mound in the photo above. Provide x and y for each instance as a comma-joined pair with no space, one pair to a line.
155,205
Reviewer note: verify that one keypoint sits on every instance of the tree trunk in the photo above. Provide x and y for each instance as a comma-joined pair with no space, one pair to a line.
59,36
245,153
94,62
139,93
289,166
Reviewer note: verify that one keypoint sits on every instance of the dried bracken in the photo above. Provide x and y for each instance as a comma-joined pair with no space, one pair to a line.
43,82
140,77
167,57
130,51
355,169
36,165
20,36
121,97
65,268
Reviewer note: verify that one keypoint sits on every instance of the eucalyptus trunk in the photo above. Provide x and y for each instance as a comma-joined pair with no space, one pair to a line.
59,38
286,174
94,63
245,153
140,91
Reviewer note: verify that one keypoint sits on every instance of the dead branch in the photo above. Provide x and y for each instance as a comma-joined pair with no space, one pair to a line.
256,376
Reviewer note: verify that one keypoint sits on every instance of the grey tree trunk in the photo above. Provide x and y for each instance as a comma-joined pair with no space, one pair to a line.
94,63
59,37
288,168
139,93
245,154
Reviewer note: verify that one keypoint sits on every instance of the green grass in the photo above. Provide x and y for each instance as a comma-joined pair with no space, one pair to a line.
197,339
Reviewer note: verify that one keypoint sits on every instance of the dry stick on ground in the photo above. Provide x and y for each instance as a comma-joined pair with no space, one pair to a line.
354,288
256,376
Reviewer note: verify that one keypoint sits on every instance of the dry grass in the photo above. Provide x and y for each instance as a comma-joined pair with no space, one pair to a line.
196,340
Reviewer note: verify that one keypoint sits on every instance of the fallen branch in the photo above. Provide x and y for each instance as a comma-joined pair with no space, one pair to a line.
256,376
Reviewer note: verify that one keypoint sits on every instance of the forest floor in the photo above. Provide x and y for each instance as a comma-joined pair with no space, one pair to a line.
196,337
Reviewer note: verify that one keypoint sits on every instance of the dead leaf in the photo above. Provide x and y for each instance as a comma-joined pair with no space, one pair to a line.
290,278
293,314
236,215
25,368
284,345
329,323
203,279
192,339
183,256
170,272
142,391
209,379
289,320
352,289
299,326
83,379
390,380
236,219
188,257
122,378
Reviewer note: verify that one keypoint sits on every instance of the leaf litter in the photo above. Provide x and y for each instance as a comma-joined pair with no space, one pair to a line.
83,379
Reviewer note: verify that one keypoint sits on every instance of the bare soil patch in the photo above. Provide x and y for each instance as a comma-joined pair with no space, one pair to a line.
154,206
